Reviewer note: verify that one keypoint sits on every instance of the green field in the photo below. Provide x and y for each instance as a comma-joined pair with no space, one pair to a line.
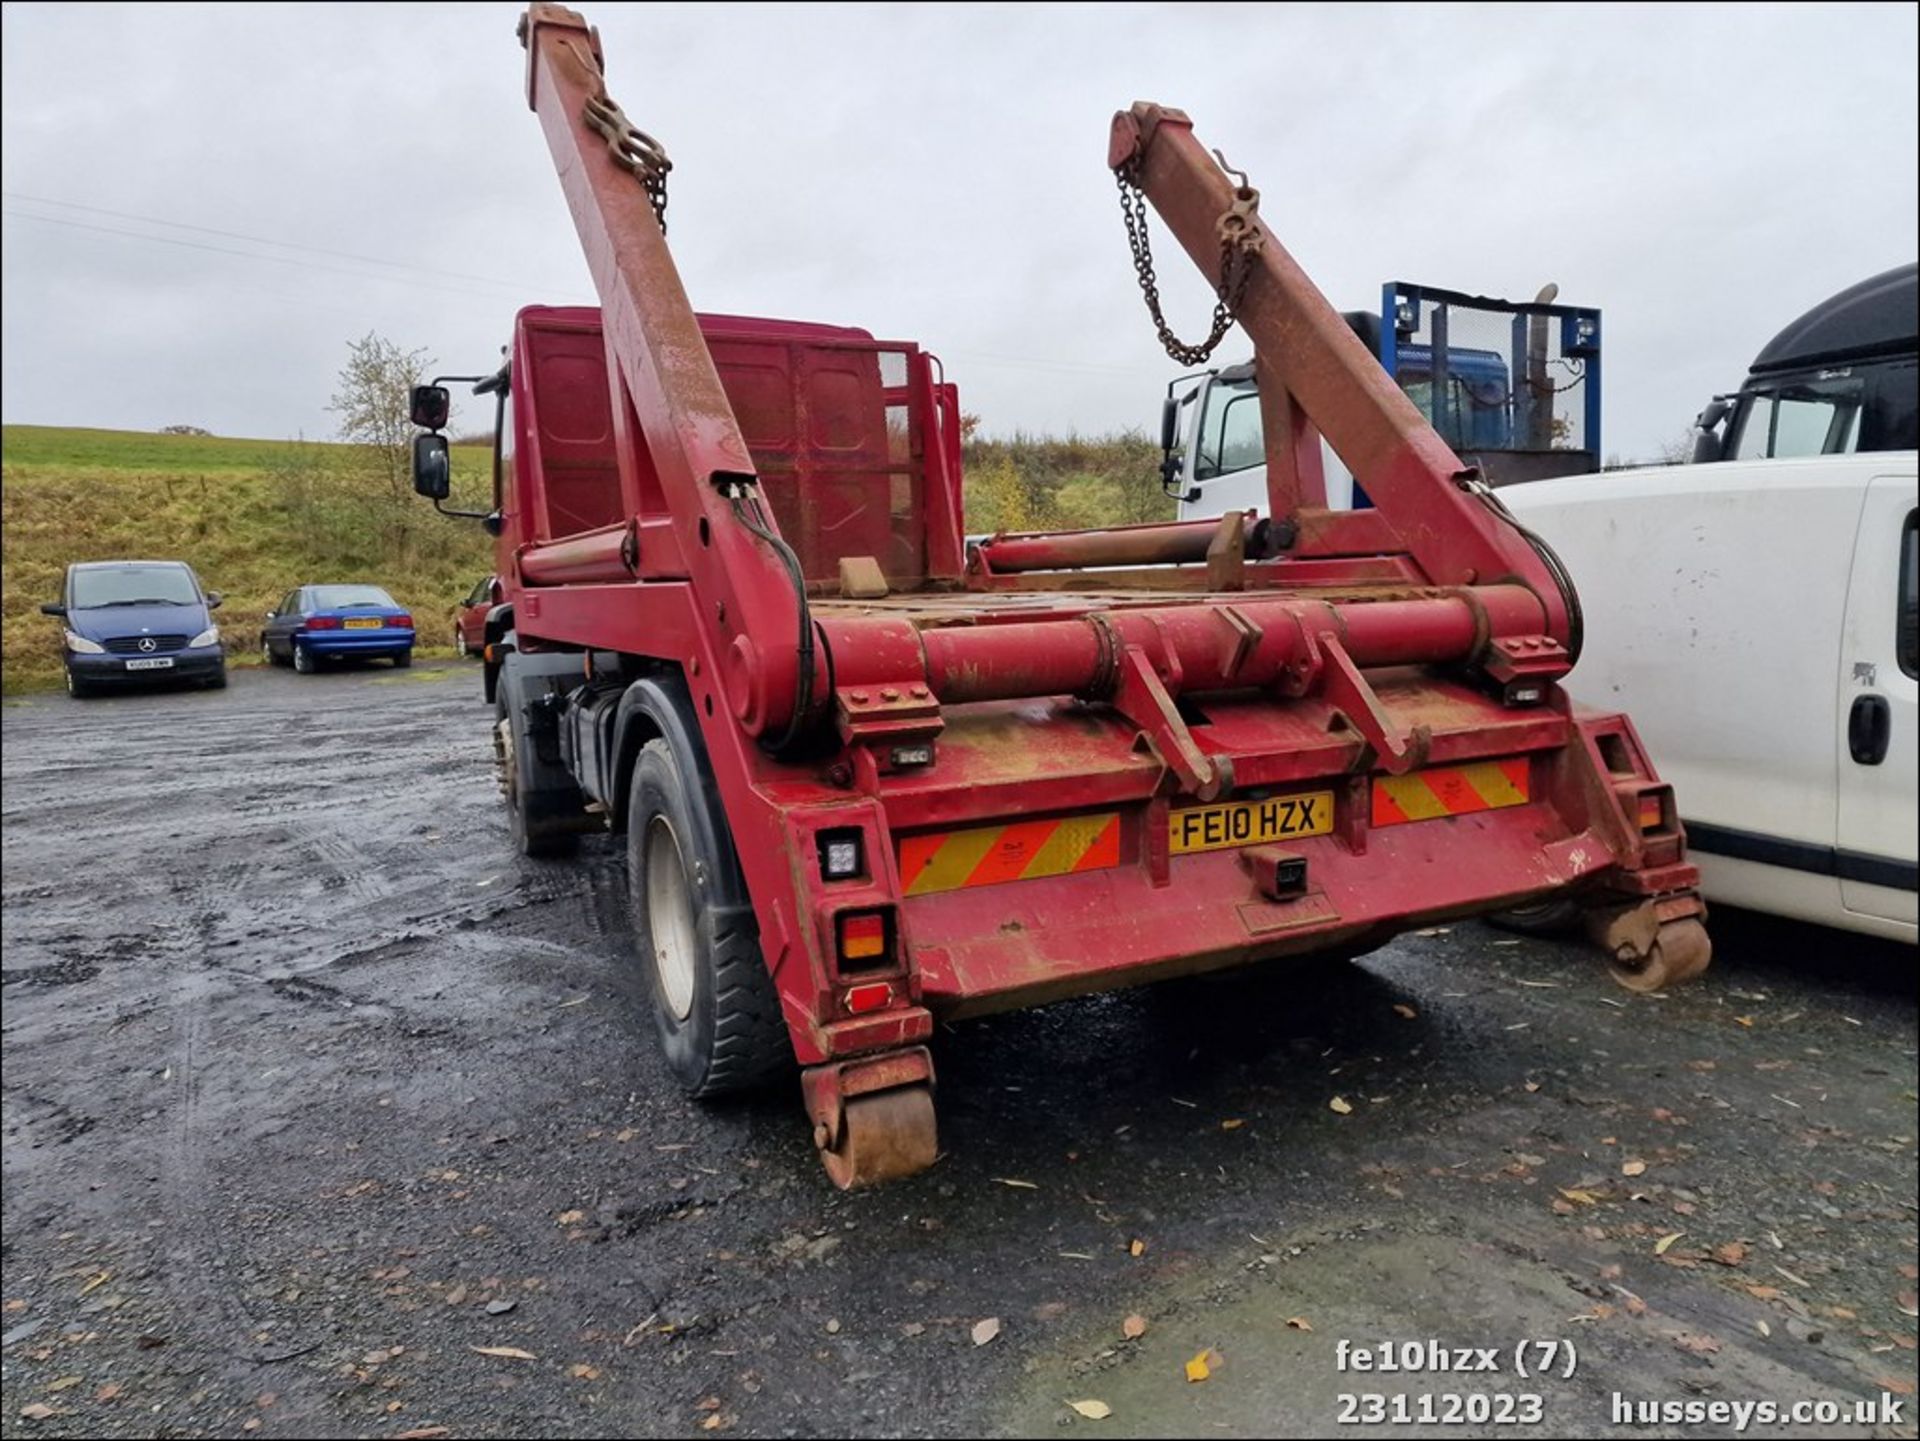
257,517
253,517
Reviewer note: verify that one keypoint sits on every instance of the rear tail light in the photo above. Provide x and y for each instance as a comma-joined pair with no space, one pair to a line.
323,622
1650,813
400,622
866,940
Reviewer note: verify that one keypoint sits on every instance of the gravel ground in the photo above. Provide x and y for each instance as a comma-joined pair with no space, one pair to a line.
325,1115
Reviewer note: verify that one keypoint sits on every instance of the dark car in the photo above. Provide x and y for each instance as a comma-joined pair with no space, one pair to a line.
470,617
133,621
332,622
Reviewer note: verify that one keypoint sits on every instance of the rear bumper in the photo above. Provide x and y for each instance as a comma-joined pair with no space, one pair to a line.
104,670
342,643
1028,942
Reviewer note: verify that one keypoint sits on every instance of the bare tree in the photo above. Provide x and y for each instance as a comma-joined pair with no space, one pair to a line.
372,403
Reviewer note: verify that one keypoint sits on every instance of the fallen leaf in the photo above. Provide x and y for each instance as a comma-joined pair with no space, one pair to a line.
1092,1410
1660,1246
1299,1323
1797,1280
1233,1125
1580,1198
572,1218
108,1391
1633,1168
65,1383
97,1281
1696,1344
508,1353
1201,1366
39,1411
581,1371
1341,1106
1134,1327
1909,1303
1731,1254
1136,1247
1743,1020
424,1433
1016,1183
1405,1011
1763,1328
625,1134
1765,1293
1533,1085
1635,1306
985,1331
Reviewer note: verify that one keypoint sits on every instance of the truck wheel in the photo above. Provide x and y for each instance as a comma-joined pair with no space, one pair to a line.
544,805
714,1003
1542,918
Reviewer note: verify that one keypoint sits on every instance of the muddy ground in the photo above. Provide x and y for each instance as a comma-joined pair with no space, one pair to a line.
312,1090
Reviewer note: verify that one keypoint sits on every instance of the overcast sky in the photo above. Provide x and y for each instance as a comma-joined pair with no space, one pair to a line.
204,203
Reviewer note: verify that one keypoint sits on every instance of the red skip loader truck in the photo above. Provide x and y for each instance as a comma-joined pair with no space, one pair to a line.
869,776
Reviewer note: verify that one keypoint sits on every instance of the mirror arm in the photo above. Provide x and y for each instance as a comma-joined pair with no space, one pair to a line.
462,514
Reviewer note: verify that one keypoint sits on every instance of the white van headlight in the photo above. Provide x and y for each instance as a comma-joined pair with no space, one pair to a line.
209,636
80,645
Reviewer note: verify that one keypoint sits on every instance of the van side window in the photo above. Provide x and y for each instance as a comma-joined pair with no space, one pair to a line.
1908,643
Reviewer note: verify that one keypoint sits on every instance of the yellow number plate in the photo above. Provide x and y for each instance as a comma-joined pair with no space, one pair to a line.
1250,823
364,623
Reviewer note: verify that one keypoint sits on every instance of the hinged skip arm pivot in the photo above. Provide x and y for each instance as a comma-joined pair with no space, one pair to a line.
1418,483
614,180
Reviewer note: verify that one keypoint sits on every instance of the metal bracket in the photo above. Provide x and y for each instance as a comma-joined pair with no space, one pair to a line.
1142,699
1345,688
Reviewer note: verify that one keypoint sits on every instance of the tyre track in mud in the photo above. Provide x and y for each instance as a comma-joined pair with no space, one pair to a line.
297,1049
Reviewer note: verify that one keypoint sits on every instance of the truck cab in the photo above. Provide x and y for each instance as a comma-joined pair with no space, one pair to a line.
1844,377
1454,356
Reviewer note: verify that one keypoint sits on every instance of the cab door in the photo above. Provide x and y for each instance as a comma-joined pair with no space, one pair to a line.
1879,852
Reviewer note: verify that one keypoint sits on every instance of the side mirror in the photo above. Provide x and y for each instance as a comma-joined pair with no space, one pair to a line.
1169,423
213,599
430,407
53,607
432,467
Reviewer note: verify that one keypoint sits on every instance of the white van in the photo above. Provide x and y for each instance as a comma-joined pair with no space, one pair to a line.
1758,619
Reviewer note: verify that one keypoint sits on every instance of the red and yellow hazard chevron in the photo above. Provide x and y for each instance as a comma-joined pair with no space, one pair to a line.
988,855
1450,791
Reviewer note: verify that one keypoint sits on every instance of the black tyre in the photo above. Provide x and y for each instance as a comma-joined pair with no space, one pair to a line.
79,689
402,660
218,680
714,1003
305,661
544,806
460,643
1543,918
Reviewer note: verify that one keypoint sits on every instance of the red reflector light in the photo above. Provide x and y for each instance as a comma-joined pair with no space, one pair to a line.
323,622
400,622
1649,813
863,936
874,997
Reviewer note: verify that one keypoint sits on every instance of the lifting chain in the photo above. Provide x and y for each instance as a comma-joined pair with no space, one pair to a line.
1241,240
632,149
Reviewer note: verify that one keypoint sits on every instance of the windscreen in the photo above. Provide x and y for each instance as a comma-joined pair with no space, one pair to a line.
344,597
134,585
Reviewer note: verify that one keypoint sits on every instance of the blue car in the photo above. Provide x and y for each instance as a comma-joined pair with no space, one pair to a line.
133,621
318,623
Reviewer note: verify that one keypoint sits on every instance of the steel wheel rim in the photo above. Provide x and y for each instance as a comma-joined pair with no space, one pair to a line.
670,918
460,644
